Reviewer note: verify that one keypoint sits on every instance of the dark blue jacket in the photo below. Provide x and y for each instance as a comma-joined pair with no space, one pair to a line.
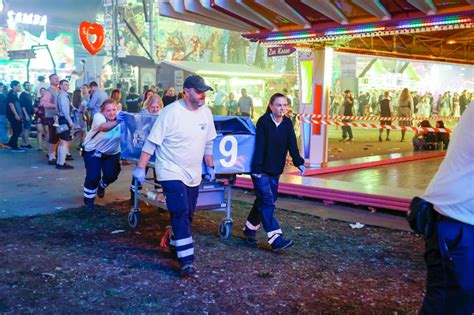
272,144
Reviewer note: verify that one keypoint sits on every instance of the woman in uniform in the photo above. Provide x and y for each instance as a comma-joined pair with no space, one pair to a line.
101,152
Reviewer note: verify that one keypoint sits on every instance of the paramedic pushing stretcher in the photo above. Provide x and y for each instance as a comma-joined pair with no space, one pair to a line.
182,135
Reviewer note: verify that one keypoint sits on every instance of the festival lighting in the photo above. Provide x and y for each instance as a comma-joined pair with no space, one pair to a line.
357,30
295,35
448,20
383,28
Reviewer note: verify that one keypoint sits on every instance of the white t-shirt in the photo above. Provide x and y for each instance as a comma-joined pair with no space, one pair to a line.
451,190
107,142
181,137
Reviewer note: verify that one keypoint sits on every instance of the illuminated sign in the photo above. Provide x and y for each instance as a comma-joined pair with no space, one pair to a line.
280,51
26,18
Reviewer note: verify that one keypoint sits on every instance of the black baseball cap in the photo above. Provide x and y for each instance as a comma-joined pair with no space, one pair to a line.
197,82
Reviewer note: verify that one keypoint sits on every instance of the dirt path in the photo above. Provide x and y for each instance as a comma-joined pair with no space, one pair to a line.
72,262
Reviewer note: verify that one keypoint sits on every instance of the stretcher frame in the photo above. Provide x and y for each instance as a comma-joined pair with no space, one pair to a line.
223,184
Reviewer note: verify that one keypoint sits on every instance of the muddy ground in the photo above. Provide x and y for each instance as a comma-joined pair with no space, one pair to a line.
78,261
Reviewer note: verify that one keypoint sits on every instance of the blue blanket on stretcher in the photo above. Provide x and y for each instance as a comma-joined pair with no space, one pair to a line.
233,148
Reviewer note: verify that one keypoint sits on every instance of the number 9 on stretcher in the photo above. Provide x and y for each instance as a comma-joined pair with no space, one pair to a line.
233,153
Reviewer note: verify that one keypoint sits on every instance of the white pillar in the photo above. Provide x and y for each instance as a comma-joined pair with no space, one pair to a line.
315,78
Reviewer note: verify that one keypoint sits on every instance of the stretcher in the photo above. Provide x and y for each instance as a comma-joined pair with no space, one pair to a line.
232,153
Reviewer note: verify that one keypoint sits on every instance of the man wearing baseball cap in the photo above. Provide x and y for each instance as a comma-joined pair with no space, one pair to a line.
182,135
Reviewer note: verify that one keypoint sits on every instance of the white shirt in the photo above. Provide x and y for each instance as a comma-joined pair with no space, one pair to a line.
451,190
107,142
181,135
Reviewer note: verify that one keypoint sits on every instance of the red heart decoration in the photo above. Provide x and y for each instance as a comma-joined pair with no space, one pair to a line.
85,29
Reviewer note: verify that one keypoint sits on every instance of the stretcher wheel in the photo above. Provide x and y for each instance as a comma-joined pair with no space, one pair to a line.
225,229
133,219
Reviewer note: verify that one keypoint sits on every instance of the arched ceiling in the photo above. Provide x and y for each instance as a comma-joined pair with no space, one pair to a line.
428,29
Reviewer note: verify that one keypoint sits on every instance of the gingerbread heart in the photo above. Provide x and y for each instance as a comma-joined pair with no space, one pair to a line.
87,29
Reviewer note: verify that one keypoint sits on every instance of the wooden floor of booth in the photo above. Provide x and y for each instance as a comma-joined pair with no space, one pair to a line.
387,182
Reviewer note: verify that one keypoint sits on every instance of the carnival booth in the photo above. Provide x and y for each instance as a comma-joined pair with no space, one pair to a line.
225,78
232,152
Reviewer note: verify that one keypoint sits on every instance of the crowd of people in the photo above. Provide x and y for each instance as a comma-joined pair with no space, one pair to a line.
424,105
60,115
402,106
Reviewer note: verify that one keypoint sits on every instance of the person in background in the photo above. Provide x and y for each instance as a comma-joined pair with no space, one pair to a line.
231,105
3,118
463,101
116,95
132,100
65,126
97,97
245,104
182,136
386,110
275,136
424,140
14,115
123,99
40,85
108,87
159,90
79,108
363,101
445,105
442,137
39,116
50,111
170,96
148,93
45,99
424,107
449,248
405,110
85,97
456,108
219,101
27,111
347,110
180,96
102,152
142,96
153,105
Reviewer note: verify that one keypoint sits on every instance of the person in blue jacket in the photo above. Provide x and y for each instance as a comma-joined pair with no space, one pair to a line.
275,136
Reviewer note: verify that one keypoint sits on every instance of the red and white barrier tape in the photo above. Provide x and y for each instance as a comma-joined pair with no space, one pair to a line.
375,118
374,126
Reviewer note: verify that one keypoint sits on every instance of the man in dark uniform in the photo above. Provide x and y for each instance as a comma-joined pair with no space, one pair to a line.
14,115
386,110
348,110
132,101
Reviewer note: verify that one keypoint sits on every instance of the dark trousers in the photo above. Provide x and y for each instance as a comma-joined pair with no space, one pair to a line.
99,171
16,131
346,130
266,190
181,202
449,258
